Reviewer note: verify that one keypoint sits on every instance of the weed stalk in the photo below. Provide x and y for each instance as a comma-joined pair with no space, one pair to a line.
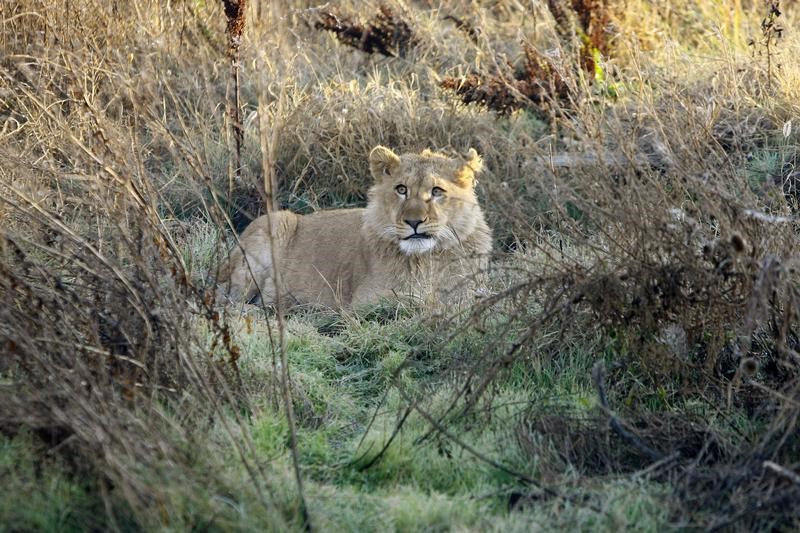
235,13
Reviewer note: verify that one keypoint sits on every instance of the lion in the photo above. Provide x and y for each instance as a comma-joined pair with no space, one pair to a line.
422,233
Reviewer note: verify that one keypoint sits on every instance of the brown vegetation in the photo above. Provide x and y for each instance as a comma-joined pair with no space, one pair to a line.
538,81
654,229
386,33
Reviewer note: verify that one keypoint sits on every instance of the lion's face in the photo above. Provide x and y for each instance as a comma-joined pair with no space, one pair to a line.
421,202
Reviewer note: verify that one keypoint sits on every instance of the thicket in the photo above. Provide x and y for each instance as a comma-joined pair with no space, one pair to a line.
641,184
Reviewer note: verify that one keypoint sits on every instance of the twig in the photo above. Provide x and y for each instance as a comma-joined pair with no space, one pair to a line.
598,376
785,472
472,396
674,456
488,460
388,443
235,12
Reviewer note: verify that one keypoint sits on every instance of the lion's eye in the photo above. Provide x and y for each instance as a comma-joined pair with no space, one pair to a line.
401,190
436,192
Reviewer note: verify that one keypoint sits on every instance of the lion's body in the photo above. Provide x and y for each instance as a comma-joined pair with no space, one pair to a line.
348,257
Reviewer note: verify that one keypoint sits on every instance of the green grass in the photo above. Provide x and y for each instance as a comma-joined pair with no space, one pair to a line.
348,405
351,376
347,397
39,495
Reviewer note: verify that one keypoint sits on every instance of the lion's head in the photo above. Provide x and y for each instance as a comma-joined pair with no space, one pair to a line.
422,202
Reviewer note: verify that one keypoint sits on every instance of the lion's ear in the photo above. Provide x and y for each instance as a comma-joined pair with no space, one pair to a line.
382,161
472,164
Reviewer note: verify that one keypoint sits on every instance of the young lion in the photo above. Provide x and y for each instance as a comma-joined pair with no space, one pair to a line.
422,233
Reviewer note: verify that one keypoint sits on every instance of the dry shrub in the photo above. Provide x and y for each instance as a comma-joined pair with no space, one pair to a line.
536,83
771,32
649,237
99,354
541,79
110,352
570,438
708,256
590,20
387,32
235,12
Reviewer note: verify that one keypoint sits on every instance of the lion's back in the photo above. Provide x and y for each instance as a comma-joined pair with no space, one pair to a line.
324,258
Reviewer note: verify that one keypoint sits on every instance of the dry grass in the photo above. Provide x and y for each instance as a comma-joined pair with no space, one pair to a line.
643,196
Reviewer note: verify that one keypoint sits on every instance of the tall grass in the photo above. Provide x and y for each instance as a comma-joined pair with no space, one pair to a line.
645,216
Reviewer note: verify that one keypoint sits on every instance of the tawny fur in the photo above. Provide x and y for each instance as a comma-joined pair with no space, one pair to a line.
349,257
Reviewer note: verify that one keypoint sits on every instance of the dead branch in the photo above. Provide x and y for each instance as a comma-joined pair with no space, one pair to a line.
598,377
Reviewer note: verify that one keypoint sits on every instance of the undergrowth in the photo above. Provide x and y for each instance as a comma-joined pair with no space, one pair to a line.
634,364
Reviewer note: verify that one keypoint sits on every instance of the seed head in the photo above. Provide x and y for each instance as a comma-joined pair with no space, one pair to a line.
749,367
737,241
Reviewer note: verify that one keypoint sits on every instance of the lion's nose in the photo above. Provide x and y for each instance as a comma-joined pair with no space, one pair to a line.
413,223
